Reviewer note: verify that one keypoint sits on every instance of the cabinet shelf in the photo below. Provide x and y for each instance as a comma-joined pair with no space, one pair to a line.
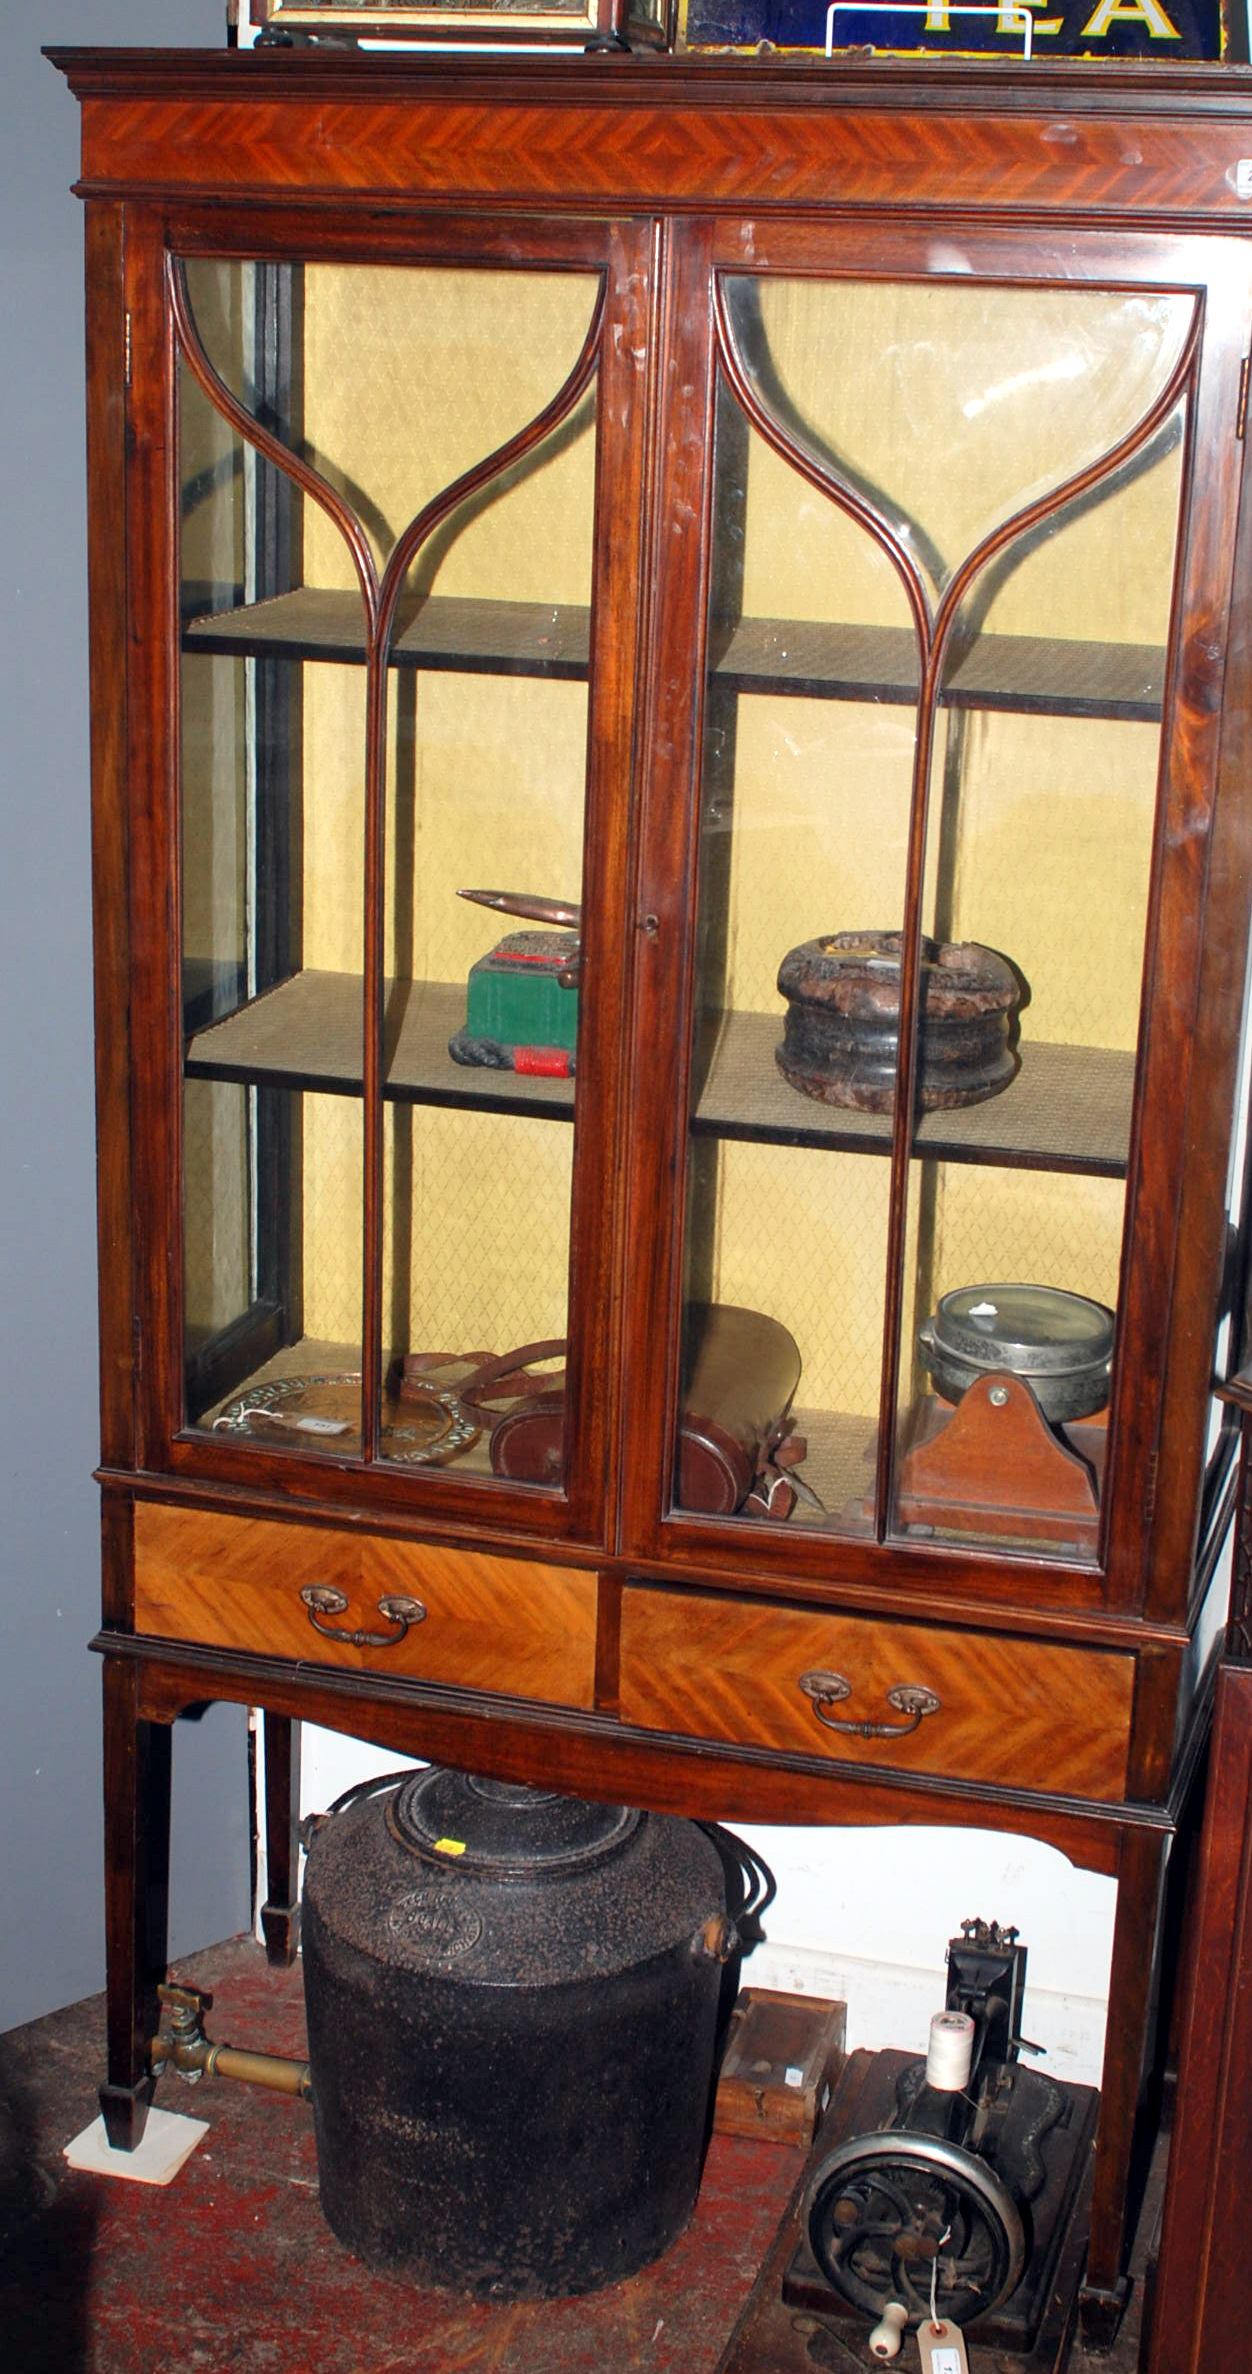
839,1467
307,1033
1031,674
479,638
807,658
313,1356
1068,1108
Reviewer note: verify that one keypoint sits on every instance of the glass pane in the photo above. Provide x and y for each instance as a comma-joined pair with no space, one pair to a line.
949,405
475,1262
485,783
397,381
217,1218
1043,818
1008,1325
273,1286
1234,1326
882,676
392,384
786,1239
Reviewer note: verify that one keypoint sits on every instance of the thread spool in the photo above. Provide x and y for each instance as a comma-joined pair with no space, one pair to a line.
884,2341
950,2052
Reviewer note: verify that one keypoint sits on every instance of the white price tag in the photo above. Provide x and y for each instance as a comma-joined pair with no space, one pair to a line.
941,2347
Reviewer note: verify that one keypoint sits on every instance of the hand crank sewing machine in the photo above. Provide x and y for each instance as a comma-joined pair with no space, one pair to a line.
951,2184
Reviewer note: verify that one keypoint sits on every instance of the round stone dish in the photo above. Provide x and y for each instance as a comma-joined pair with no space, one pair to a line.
841,1040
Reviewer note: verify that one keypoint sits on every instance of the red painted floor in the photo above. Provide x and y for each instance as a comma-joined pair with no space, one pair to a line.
232,2267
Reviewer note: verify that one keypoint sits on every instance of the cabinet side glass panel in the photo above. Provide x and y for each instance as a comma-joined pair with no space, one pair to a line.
946,518
1233,1339
271,879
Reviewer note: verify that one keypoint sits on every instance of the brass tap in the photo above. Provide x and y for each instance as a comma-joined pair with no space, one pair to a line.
189,2050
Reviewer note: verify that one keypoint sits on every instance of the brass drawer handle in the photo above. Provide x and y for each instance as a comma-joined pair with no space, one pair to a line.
908,1698
321,1599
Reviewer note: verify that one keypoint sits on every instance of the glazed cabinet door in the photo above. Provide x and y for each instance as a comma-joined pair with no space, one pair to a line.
393,812
950,755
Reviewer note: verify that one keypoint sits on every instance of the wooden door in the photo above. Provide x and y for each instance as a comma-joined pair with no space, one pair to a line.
940,1062
386,482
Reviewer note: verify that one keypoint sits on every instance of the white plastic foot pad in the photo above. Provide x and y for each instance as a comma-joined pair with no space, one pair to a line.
168,2140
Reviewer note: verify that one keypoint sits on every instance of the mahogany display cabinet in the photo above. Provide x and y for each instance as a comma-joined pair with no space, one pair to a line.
759,520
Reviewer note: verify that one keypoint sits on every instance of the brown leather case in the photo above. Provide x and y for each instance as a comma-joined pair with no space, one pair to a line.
740,1373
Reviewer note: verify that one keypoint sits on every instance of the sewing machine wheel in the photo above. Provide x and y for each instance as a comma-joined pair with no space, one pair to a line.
884,2208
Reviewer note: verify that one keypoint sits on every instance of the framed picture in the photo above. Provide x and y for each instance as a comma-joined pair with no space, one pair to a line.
594,24
1116,29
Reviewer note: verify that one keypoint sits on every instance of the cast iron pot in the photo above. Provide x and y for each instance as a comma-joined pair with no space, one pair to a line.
513,2002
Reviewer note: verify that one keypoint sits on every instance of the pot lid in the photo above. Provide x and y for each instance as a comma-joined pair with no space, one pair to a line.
1025,1329
500,1830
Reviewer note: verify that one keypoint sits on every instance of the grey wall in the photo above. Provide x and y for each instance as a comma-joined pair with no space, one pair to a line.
51,1902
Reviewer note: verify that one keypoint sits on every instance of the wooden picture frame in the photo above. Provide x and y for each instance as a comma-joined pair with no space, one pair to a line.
584,24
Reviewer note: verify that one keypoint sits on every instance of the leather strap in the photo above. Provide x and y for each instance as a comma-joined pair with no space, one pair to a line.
507,1373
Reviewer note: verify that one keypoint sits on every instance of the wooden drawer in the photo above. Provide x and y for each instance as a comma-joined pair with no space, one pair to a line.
490,1623
1020,1713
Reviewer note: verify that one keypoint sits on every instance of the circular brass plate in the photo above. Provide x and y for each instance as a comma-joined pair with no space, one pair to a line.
426,1429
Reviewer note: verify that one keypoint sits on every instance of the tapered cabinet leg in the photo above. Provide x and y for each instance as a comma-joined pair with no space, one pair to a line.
1132,1995
280,1913
136,1838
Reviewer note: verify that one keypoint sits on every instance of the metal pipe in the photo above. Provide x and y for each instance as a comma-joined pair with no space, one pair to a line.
194,2060
189,2050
